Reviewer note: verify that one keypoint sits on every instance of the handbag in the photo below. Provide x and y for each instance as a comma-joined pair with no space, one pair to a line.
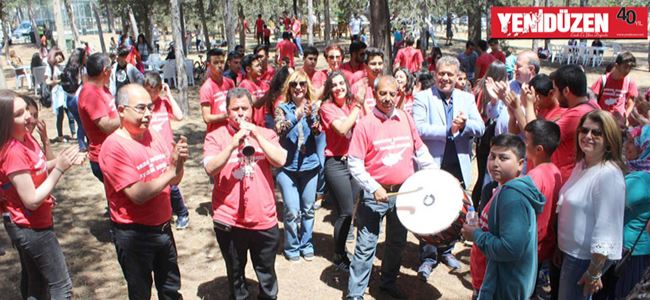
618,268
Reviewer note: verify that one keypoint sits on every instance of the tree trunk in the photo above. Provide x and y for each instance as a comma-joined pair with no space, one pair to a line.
5,42
380,30
183,32
327,21
58,21
134,24
30,12
535,41
547,42
109,17
295,7
310,22
181,78
474,22
488,34
242,32
229,20
73,25
204,23
99,25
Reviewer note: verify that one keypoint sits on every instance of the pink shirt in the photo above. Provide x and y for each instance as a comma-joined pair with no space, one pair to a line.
286,48
161,117
257,89
548,180
615,94
407,106
27,157
337,145
125,162
565,155
370,93
238,199
94,104
319,78
215,94
386,145
409,58
295,28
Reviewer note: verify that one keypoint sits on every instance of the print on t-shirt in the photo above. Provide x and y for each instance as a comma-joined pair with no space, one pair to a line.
400,144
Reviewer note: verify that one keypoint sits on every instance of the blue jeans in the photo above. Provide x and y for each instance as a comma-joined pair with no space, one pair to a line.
44,271
178,204
431,254
71,103
570,273
298,44
369,218
299,193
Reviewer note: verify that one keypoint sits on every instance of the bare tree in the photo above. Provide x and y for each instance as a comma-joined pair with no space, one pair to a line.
109,16
380,30
474,29
133,23
93,6
71,19
229,20
181,82
58,21
242,32
328,25
204,23
310,22
30,12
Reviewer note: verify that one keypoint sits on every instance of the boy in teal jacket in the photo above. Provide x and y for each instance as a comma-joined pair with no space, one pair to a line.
510,244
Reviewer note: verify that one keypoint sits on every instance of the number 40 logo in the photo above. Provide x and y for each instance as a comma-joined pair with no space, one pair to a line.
629,16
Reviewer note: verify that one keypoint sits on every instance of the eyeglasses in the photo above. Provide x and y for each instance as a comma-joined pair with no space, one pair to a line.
294,84
333,56
141,108
594,132
384,93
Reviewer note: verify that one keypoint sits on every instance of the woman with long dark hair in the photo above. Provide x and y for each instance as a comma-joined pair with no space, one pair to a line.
143,47
28,180
71,84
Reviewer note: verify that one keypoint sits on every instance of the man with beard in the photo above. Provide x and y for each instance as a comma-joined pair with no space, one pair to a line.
357,57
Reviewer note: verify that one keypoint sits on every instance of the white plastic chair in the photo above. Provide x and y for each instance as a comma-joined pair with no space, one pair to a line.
566,54
584,55
25,75
154,62
616,49
189,71
169,72
597,58
556,53
39,78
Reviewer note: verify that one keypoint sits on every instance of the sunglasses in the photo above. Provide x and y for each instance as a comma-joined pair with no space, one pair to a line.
294,84
333,56
594,132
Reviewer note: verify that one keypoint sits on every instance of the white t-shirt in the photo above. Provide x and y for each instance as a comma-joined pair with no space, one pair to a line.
590,212
355,26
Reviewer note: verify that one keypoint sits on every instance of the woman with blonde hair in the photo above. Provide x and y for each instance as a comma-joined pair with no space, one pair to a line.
297,125
591,207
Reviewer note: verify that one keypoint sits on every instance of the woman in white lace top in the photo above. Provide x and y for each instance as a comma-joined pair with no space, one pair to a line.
591,207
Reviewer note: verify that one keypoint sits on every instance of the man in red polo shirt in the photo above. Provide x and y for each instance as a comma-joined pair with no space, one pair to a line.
496,50
383,147
139,166
409,57
212,94
484,59
570,89
357,60
243,200
259,29
255,86
97,108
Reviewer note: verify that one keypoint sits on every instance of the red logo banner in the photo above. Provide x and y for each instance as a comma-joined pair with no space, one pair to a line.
569,22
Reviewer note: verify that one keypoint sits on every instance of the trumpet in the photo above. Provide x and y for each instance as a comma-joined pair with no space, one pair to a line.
248,150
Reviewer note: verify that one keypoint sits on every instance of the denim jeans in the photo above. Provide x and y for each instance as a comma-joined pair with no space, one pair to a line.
570,273
141,253
344,191
59,121
178,204
298,44
97,170
72,104
235,244
369,218
44,272
299,194
431,254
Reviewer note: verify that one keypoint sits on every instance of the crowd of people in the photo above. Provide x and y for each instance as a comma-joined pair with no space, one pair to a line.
563,167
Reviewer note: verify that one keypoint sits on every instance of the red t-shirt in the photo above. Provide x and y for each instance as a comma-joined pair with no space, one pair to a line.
161,117
267,33
125,162
215,94
477,260
387,146
259,25
319,77
409,58
348,67
615,93
17,157
551,114
548,180
94,104
484,62
257,90
370,95
238,199
286,48
336,145
267,76
287,23
499,55
407,106
565,155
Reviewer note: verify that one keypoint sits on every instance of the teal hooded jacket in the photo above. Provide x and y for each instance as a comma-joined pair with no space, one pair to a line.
510,245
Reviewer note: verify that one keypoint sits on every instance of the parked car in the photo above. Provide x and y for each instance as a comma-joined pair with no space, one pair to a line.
24,29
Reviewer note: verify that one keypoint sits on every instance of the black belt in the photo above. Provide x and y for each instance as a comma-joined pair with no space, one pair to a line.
391,188
143,228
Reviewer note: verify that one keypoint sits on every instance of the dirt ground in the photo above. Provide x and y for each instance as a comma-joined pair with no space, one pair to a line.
82,228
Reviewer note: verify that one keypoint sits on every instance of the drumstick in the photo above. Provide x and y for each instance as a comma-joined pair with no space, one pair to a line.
404,192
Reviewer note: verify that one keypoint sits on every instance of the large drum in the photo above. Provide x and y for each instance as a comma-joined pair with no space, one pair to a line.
432,204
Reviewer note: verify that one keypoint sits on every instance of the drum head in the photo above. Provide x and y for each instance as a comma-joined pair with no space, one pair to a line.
429,201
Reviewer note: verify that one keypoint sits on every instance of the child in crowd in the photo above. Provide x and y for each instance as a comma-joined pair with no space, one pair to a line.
164,110
462,83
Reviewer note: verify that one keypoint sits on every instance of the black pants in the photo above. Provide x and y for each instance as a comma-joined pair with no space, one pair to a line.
235,244
142,252
97,170
344,190
59,121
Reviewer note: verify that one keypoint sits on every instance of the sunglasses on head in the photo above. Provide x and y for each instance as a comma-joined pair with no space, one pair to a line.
294,84
594,132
